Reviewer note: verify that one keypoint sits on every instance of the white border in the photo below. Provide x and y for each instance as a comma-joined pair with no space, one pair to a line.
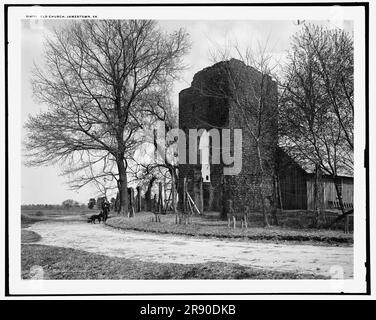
18,286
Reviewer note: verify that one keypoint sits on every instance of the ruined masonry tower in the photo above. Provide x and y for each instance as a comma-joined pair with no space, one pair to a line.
208,104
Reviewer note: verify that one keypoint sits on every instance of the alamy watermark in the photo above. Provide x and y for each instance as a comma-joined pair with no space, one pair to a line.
197,146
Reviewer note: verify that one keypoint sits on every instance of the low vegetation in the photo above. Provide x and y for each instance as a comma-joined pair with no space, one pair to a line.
210,226
66,263
28,236
27,220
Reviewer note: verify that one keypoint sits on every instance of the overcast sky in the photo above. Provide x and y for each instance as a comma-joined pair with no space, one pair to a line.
44,184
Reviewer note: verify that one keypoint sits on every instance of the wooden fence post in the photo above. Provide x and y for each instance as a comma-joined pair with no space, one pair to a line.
154,203
201,197
173,193
139,199
131,212
184,194
165,200
159,208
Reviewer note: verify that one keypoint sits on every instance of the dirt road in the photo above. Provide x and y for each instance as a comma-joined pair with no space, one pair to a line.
180,249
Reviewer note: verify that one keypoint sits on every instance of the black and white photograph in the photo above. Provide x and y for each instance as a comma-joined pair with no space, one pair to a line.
220,148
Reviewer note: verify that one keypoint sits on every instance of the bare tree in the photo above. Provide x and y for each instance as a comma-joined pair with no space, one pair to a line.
317,101
96,77
162,166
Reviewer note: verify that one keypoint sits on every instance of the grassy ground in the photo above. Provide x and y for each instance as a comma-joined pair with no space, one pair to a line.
27,220
28,236
211,227
65,263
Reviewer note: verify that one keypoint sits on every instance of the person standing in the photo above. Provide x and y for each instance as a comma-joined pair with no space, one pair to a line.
105,209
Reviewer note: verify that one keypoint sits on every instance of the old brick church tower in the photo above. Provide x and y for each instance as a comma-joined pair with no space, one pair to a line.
209,103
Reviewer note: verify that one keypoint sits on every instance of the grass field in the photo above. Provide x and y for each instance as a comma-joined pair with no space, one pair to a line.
211,226
65,263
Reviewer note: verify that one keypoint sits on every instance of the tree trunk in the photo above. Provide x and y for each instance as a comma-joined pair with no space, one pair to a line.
279,194
123,187
173,192
339,194
224,197
274,204
139,209
117,200
263,206
165,199
148,199
261,188
201,204
160,198
184,195
341,205
315,198
131,210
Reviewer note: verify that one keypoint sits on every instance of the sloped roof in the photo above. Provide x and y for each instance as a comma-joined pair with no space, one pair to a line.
309,167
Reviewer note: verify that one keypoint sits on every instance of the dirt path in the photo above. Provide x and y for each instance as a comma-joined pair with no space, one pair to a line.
180,249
